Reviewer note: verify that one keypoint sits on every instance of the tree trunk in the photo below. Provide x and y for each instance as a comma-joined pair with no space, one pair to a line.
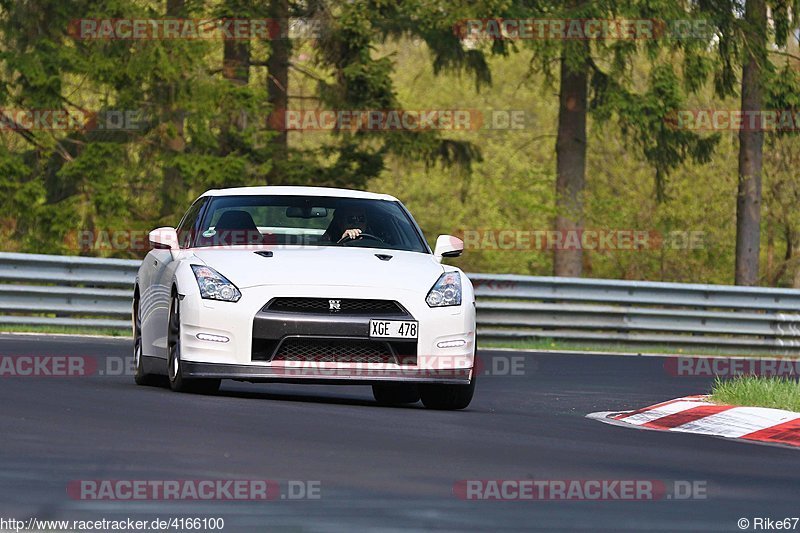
571,156
236,61
751,141
770,221
172,184
235,69
278,86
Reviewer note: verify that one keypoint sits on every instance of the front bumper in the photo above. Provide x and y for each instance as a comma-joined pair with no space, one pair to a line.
254,334
342,376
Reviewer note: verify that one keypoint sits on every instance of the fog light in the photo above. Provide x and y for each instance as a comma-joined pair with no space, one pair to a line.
212,338
452,344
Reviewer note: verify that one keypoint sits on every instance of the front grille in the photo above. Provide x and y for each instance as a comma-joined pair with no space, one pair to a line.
348,306
263,349
334,351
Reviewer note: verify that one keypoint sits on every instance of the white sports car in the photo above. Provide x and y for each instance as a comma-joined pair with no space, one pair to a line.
305,284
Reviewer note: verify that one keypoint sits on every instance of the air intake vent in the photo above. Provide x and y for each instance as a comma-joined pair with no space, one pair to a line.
335,306
334,351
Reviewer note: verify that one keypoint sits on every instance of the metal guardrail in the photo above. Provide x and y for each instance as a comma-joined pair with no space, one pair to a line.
96,293
637,312
53,290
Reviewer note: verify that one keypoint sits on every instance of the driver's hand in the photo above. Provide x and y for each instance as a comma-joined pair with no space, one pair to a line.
351,233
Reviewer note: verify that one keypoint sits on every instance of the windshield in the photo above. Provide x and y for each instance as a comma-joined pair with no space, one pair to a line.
308,221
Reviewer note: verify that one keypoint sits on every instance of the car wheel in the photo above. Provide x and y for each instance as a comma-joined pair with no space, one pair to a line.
174,367
139,375
447,397
394,394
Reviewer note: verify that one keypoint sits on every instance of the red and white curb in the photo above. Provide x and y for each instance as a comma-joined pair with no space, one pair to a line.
695,414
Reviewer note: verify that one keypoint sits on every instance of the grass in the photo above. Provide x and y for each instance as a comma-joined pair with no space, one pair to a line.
551,344
755,391
65,330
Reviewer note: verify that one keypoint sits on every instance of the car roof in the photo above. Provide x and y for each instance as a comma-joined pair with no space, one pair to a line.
280,190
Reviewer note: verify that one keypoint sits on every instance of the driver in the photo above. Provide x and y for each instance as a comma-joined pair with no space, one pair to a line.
348,222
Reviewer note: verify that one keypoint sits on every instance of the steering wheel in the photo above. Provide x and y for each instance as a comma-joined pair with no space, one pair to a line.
347,238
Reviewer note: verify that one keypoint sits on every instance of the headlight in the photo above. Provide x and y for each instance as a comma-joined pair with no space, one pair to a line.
446,291
215,286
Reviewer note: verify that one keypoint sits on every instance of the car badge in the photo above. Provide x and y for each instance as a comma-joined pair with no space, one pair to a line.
334,305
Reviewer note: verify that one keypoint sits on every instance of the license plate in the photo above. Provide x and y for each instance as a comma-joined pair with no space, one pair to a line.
393,329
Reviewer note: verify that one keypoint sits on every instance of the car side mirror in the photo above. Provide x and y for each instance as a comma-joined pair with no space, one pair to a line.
165,238
448,246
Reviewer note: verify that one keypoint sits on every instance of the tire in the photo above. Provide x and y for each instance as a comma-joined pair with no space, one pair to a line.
174,368
395,394
139,376
447,397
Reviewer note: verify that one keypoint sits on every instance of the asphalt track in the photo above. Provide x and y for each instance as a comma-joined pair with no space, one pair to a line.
379,468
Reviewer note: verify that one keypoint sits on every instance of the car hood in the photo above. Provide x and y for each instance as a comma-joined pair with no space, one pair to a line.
330,266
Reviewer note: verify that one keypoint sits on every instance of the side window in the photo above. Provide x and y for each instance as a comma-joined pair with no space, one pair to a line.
188,225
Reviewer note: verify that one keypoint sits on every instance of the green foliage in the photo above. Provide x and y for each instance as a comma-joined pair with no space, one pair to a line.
647,120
